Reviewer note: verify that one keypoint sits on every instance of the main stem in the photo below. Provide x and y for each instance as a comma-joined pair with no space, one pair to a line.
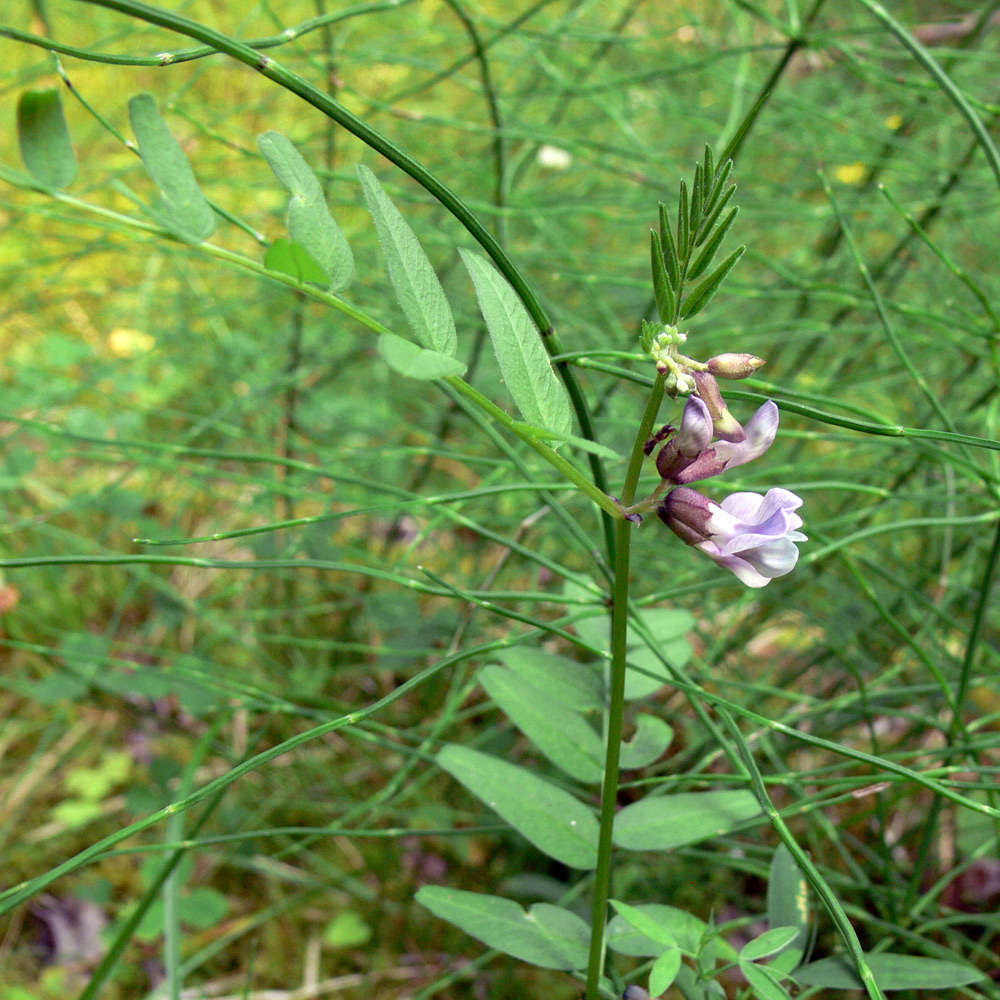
616,706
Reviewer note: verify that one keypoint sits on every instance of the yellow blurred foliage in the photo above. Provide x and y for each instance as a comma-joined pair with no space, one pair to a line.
850,173
124,342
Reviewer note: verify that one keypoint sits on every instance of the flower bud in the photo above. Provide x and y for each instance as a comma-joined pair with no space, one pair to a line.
727,426
734,366
687,514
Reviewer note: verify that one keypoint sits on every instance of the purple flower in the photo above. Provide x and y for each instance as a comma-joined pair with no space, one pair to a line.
751,535
679,463
688,443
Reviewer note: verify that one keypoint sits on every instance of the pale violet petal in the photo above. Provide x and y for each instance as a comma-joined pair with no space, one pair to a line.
761,430
742,506
776,558
695,434
744,572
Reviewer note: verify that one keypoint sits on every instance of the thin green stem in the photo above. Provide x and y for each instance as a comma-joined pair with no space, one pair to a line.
570,471
609,789
616,705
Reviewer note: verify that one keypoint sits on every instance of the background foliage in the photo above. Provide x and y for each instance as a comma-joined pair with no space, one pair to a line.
154,391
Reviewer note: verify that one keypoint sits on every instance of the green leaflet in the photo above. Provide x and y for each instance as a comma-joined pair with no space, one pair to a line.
664,971
293,259
788,904
673,925
649,742
702,295
553,820
577,686
646,673
417,287
309,220
769,943
564,736
764,982
892,972
547,936
184,211
532,383
661,823
44,139
417,362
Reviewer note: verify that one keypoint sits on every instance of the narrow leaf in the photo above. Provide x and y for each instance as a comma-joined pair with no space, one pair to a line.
417,362
577,686
661,283
682,928
291,258
309,220
416,285
697,193
709,170
788,904
43,136
683,222
553,820
649,743
892,972
563,735
711,248
526,369
661,823
719,195
185,210
703,294
646,924
664,971
552,941
670,259
763,982
769,943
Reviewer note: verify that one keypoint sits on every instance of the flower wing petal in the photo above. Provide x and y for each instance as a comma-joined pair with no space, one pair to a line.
761,430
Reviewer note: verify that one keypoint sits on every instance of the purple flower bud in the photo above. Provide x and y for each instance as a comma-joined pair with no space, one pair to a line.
727,426
689,443
696,428
733,366
751,535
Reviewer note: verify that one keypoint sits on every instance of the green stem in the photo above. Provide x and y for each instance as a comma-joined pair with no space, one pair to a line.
609,790
570,471
616,706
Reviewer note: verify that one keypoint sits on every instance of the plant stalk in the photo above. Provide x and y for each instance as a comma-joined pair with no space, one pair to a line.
616,706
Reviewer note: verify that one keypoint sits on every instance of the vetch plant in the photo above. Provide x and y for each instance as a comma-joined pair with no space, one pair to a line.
572,712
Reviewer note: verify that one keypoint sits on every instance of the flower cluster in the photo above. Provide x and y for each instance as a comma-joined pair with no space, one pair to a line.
751,535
